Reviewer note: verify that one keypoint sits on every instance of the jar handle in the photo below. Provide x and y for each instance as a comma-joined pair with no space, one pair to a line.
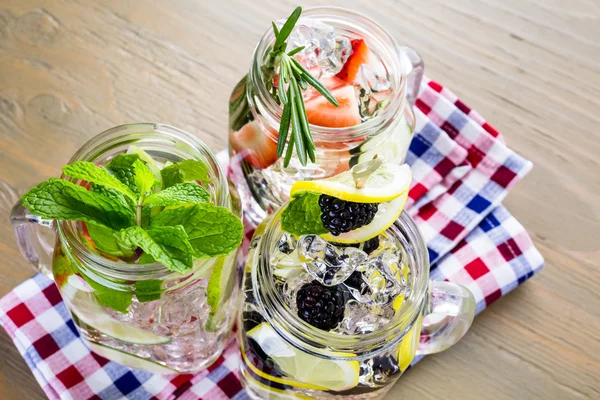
447,317
35,235
414,67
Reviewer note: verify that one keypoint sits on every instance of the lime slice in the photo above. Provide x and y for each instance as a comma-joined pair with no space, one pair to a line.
315,372
128,360
86,308
386,183
386,216
220,286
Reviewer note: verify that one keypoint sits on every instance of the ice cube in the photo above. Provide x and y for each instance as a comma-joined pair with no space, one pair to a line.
332,63
327,263
363,318
321,46
380,278
287,243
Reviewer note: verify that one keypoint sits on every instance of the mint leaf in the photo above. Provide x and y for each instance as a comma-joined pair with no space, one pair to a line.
112,298
143,177
122,168
302,216
212,230
147,158
184,171
104,239
178,194
148,290
90,172
62,200
168,245
146,259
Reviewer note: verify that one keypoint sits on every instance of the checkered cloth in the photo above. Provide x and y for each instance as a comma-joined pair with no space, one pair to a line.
462,171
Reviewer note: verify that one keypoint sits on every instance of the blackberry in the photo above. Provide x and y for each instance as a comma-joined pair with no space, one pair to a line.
321,306
339,216
355,281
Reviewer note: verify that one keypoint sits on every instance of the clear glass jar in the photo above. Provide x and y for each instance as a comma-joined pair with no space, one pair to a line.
143,316
285,357
254,117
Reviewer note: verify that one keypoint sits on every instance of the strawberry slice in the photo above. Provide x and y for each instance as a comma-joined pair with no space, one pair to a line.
360,55
322,113
254,145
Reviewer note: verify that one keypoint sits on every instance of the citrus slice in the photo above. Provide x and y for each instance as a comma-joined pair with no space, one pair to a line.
87,309
318,373
128,359
386,216
408,346
388,182
220,286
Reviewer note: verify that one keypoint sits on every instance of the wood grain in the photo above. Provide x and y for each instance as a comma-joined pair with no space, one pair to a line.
70,69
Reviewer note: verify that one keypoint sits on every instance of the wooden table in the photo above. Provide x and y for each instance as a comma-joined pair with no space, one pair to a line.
70,69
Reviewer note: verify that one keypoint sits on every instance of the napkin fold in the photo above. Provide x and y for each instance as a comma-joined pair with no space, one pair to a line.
462,170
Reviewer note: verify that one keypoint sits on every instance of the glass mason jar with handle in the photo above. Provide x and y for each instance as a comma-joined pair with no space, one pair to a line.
142,314
382,324
380,101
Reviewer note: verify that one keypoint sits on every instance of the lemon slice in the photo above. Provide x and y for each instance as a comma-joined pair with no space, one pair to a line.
129,359
408,347
388,182
386,216
318,373
87,309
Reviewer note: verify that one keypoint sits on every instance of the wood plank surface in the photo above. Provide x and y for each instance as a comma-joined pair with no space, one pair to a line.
70,69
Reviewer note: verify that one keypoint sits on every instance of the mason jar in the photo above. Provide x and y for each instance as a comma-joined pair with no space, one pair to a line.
143,316
254,117
362,356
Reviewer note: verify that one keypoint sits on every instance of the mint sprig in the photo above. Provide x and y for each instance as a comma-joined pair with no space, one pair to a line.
125,196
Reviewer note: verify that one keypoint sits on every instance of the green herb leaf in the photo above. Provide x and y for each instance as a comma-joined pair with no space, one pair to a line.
121,168
143,177
168,245
302,216
145,157
178,194
212,230
90,172
104,239
146,258
286,29
184,171
284,127
62,200
117,300
148,290
314,82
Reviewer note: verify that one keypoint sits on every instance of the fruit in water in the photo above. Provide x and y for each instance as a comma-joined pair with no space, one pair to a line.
386,216
360,55
321,306
339,216
254,145
321,112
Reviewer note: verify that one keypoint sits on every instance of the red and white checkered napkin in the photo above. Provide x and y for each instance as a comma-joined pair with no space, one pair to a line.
462,170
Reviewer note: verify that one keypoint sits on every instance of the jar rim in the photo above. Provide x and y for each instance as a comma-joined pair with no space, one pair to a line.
356,23
317,341
128,134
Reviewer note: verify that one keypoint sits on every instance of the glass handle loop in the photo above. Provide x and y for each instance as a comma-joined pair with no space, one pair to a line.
413,69
447,317
35,238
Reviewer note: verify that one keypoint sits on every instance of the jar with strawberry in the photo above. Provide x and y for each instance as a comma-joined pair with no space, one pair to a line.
325,91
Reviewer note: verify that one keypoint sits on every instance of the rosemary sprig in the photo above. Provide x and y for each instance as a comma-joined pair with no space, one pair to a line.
293,79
